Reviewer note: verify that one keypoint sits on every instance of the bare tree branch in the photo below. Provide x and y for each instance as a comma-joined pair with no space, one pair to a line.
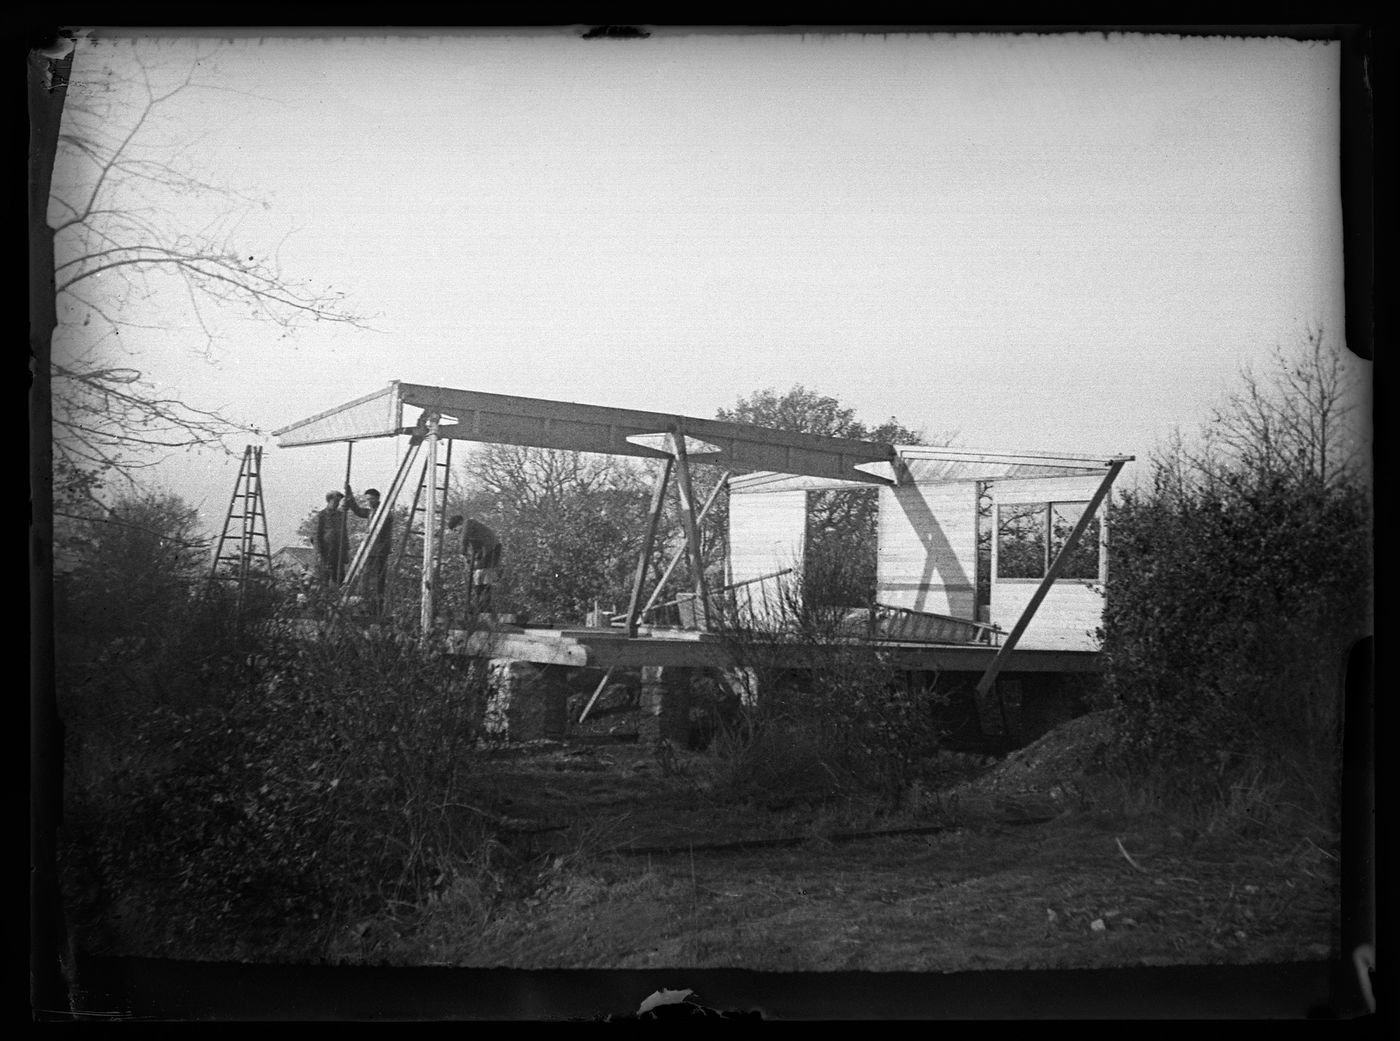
125,242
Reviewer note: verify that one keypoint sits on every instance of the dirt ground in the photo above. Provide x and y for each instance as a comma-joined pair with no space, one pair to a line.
996,864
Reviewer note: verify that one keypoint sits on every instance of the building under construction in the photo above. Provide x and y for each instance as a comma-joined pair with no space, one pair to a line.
1042,581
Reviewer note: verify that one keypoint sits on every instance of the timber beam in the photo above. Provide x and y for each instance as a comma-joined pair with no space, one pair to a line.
567,426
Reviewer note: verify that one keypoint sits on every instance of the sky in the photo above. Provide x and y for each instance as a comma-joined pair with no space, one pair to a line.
1047,243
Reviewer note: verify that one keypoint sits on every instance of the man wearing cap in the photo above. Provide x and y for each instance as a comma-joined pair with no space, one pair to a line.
332,547
377,562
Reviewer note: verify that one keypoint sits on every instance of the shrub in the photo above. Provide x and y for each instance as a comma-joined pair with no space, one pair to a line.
1230,614
321,772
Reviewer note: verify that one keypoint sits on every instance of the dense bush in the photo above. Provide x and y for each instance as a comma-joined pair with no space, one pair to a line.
283,776
1230,614
1238,585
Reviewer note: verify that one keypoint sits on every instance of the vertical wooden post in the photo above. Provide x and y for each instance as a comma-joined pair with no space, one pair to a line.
442,515
1052,573
340,564
429,527
692,529
658,500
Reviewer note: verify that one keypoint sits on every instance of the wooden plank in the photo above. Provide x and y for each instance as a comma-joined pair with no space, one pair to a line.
518,646
976,455
765,482
1022,490
592,648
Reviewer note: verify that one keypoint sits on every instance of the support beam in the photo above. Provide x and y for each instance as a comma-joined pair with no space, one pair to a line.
341,565
692,528
442,515
430,522
658,501
601,685
540,423
1052,573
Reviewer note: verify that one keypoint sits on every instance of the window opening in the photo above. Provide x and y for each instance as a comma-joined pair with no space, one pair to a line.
1030,535
1021,541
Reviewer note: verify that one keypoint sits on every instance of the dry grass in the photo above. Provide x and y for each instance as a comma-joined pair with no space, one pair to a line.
1100,885
1108,880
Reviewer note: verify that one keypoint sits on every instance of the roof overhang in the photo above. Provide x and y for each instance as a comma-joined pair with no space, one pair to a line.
920,464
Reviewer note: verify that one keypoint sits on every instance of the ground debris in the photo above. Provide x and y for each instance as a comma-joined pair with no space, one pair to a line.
1050,767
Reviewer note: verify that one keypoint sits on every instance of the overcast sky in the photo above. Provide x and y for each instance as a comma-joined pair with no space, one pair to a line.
1044,243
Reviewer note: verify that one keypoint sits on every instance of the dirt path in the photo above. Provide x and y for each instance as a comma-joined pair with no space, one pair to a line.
985,887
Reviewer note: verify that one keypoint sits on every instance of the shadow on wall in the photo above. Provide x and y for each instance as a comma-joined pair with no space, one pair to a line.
938,550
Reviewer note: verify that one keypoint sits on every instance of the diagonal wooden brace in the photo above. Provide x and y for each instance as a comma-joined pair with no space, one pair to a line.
1052,573
676,557
376,523
691,526
658,501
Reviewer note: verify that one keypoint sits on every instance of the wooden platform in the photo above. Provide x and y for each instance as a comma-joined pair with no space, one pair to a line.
680,648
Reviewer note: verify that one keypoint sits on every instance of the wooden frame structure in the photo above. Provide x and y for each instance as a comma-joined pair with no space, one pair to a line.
534,422
783,461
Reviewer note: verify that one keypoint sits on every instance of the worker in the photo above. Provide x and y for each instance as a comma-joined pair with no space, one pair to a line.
483,552
377,560
332,548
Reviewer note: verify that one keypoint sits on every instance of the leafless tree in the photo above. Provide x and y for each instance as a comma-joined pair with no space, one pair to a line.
1298,420
1295,417
144,242
534,477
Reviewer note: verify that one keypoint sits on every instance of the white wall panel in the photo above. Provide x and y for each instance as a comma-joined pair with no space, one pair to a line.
767,533
928,548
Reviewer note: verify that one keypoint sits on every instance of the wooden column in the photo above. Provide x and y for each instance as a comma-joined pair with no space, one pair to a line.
430,521
658,500
692,528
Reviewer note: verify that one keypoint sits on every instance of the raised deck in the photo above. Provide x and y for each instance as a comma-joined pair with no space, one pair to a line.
604,648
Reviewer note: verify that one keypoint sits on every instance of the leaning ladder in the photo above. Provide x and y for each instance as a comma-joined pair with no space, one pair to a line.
416,527
243,553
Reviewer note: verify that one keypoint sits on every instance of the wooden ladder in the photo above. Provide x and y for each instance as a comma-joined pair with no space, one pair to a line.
416,528
243,554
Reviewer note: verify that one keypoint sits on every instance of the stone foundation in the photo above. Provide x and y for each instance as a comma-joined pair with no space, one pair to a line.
665,705
525,702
